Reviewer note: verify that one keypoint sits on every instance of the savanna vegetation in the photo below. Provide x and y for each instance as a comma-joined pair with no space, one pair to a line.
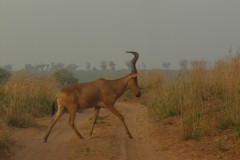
23,97
206,97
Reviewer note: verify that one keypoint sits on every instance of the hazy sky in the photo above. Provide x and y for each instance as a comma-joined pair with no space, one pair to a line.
81,31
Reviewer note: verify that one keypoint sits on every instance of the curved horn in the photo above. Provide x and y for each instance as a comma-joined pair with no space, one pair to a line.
134,60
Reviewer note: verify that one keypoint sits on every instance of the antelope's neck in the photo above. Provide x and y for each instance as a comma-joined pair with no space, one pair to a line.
120,85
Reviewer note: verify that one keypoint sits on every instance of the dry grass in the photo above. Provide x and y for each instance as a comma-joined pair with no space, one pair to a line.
23,97
162,97
5,140
207,97
26,96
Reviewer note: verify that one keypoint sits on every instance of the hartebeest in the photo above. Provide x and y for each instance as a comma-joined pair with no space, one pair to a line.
100,93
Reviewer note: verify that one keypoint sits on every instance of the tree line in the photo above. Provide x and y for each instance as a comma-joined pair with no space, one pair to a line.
104,65
184,63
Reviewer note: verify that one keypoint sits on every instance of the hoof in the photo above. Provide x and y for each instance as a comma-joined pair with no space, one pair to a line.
45,140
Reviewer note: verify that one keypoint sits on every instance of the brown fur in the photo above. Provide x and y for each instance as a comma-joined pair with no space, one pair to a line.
100,93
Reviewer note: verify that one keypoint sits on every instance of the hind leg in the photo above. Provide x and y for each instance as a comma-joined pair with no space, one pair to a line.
97,109
72,114
57,116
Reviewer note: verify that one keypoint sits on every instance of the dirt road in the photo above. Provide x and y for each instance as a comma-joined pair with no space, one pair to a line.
109,140
152,140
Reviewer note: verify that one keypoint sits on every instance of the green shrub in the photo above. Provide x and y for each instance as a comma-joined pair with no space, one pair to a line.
4,75
64,76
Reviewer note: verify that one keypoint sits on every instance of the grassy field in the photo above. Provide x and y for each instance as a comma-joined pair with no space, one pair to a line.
206,97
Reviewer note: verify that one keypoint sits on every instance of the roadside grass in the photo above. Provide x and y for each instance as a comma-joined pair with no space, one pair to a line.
207,97
5,140
162,97
26,96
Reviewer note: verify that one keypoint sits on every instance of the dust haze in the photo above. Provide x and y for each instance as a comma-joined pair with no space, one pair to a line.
35,32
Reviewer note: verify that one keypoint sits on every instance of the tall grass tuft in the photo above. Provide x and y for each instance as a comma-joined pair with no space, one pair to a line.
207,97
5,140
213,101
163,97
28,95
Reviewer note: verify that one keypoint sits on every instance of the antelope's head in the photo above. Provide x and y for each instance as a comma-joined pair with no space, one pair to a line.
133,81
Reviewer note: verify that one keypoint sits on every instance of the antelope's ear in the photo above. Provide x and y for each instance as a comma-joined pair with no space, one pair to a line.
133,75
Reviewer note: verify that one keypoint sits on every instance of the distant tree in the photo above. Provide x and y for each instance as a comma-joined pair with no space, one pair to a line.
72,67
103,65
88,66
198,63
36,67
183,64
57,66
47,66
52,66
166,65
7,67
29,67
64,76
4,75
128,64
112,65
94,68
40,67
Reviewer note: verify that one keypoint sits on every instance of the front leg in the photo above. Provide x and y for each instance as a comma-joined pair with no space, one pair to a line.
114,111
97,109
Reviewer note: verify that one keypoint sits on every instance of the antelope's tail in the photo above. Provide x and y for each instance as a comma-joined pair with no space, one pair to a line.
54,106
